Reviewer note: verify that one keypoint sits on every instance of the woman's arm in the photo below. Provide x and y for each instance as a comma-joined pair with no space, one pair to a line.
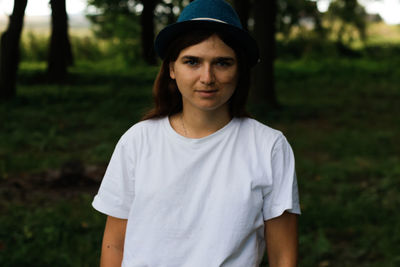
113,242
281,238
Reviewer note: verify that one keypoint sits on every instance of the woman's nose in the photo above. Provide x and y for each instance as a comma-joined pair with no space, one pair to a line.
207,75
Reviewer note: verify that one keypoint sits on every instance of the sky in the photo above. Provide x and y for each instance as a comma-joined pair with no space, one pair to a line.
388,9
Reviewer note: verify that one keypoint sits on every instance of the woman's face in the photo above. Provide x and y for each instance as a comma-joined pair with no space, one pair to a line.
206,74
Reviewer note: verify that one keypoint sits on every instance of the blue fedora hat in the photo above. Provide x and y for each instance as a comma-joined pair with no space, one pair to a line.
216,15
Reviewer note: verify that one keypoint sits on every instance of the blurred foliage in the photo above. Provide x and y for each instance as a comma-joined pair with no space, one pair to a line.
297,13
344,16
168,11
311,47
117,21
382,43
34,47
344,22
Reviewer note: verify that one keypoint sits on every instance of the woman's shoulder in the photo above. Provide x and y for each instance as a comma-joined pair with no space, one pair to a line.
143,128
265,138
259,129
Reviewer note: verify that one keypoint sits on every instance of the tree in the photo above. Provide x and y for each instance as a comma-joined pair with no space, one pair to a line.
147,33
9,51
269,18
167,12
60,54
292,13
124,19
264,31
242,7
348,15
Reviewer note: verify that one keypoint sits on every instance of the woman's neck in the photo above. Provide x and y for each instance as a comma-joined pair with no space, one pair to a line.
198,124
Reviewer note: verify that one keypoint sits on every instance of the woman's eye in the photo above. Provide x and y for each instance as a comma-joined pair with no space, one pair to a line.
190,62
224,63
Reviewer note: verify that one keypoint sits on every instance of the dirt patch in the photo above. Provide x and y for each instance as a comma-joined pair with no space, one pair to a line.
70,181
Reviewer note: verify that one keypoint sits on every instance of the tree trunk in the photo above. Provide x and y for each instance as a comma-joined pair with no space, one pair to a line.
242,7
147,34
60,54
9,51
264,30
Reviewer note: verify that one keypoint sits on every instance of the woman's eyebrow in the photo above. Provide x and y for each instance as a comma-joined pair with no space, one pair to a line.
228,58
225,58
190,57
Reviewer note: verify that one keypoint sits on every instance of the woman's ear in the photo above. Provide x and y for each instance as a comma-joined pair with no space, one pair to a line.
171,70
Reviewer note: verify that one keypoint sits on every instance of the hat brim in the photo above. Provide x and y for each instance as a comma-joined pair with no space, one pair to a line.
243,38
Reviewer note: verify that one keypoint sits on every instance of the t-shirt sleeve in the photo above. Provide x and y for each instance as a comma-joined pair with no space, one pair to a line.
116,191
283,194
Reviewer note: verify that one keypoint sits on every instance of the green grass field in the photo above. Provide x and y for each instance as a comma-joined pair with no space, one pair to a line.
341,117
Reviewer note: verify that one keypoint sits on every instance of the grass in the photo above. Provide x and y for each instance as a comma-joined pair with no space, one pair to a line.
342,121
379,33
79,120
67,233
341,117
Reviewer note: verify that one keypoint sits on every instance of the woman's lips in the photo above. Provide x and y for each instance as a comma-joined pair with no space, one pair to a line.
206,93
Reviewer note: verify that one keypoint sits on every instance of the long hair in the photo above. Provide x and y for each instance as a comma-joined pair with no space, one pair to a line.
166,96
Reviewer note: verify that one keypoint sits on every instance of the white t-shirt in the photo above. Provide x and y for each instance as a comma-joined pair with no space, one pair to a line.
198,202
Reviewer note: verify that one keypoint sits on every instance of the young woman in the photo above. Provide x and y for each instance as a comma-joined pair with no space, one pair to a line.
197,182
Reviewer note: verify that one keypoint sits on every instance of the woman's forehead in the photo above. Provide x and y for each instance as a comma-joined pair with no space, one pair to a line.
213,47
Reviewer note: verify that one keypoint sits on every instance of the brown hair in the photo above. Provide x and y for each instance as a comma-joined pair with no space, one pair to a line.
166,96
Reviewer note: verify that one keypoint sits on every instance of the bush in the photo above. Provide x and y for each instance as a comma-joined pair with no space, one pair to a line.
305,48
34,47
87,48
382,51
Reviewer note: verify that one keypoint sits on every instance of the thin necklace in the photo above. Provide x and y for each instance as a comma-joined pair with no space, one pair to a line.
183,125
